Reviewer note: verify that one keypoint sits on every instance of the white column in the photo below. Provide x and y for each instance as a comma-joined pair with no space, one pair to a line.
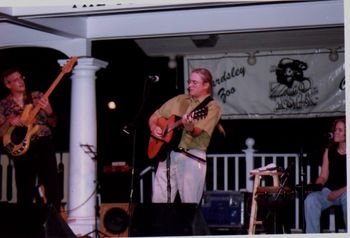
82,165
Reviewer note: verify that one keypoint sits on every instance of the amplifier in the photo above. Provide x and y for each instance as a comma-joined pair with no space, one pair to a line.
223,208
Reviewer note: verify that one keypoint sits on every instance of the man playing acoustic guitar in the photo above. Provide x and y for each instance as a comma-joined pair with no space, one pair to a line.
38,163
184,170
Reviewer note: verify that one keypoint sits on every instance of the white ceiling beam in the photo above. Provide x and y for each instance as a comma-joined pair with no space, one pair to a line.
16,35
68,7
74,27
229,19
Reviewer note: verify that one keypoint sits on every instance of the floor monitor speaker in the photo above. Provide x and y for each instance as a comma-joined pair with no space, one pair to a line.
168,219
32,221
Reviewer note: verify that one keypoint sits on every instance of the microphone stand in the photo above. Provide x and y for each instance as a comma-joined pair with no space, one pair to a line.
131,129
302,189
89,150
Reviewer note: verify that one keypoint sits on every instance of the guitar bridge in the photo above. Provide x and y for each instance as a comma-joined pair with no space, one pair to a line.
10,147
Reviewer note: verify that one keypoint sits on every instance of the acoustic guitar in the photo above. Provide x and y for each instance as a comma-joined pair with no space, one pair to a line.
168,126
16,140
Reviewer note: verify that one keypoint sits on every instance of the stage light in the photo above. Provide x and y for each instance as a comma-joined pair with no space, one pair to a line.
112,105
205,41
172,64
333,55
251,60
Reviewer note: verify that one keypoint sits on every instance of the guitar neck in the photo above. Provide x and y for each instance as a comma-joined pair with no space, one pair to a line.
36,109
54,84
174,125
66,68
194,115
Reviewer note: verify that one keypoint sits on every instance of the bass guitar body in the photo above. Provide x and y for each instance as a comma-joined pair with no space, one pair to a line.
17,139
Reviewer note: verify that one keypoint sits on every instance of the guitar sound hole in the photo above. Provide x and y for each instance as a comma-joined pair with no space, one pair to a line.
18,135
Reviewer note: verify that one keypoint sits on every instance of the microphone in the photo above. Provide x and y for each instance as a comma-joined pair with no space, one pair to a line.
329,135
153,78
126,130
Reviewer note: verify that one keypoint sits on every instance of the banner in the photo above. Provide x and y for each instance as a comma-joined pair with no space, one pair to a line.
295,84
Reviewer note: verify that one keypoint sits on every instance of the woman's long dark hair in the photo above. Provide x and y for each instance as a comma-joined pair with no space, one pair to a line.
334,124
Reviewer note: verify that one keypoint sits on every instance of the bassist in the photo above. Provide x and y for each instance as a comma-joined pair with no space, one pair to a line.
38,165
181,172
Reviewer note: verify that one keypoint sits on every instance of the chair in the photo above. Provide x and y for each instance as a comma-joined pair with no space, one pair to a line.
332,219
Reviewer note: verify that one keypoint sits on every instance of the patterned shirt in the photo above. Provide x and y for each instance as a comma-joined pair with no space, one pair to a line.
9,108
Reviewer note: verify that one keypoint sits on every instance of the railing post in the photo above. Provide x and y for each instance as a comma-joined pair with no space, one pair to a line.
143,172
249,154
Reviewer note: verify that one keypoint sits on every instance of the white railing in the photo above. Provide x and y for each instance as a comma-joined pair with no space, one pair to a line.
225,172
231,172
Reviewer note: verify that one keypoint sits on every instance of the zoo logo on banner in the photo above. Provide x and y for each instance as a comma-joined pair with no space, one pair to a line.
292,91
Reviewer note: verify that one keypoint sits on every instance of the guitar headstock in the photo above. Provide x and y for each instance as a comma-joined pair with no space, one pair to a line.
69,65
199,113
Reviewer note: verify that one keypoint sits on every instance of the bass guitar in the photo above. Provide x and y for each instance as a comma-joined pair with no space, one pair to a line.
168,126
16,140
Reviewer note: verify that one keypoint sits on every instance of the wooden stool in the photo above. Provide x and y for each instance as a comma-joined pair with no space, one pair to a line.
254,208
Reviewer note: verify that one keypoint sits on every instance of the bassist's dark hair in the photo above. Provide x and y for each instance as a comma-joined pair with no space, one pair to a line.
8,72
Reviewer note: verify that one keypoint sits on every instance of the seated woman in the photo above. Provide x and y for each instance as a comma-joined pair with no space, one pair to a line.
332,178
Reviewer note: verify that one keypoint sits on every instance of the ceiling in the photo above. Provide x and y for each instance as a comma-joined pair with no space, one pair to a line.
24,25
332,37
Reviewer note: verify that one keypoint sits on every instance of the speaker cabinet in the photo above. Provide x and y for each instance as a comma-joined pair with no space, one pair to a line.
223,208
32,221
115,219
168,219
115,187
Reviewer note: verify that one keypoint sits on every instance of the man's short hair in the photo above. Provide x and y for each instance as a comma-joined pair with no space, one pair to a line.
8,72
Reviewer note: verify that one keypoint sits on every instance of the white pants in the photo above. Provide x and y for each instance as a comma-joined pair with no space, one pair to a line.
187,175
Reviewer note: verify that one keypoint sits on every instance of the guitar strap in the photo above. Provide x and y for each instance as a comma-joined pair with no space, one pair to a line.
203,104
